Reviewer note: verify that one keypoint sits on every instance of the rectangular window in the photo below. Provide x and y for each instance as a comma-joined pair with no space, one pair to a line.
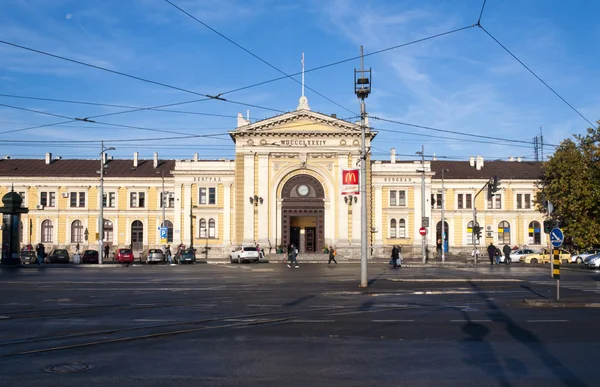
527,202
465,201
392,198
22,194
202,196
519,201
460,202
77,199
109,200
468,201
48,199
495,202
436,200
212,195
137,199
402,198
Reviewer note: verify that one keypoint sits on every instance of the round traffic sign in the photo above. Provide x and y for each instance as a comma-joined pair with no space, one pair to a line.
423,231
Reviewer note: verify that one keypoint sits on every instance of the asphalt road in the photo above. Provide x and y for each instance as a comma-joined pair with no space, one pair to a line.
268,325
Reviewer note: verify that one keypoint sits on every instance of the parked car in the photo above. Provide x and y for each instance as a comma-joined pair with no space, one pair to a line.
28,256
185,255
525,255
58,256
579,258
89,256
546,256
593,261
123,256
154,255
244,253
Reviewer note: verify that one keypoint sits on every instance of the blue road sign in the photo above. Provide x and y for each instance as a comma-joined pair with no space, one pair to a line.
163,233
556,237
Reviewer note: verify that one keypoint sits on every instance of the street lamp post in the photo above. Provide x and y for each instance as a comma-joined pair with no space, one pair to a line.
423,241
162,198
101,217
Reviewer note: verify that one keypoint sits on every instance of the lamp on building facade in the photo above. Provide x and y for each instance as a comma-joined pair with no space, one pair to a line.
256,200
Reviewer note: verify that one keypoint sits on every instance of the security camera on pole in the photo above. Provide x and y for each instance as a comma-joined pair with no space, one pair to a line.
362,88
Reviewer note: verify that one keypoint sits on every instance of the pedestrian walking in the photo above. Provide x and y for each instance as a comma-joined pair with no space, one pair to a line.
491,252
293,254
332,255
106,250
41,253
475,253
438,248
395,256
168,254
506,250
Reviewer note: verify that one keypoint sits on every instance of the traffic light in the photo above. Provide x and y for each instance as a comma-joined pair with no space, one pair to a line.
495,184
549,224
477,232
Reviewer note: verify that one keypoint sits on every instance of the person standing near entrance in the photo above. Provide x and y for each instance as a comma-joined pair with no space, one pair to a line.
395,256
332,255
438,248
106,250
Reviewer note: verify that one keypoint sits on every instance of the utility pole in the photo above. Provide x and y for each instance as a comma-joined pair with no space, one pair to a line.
362,88
443,217
423,240
101,215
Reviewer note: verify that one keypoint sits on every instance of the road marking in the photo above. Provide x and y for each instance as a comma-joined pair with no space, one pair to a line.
455,280
541,321
241,319
391,321
313,321
151,319
262,270
262,306
470,321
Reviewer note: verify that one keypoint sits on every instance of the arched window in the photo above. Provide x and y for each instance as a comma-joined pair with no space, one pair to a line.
47,231
535,234
393,228
504,233
137,235
211,228
169,225
470,233
202,228
108,231
402,228
77,232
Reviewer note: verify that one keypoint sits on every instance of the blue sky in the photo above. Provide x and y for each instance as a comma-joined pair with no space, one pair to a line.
463,82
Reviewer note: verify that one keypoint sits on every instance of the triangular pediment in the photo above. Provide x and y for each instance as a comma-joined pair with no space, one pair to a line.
301,121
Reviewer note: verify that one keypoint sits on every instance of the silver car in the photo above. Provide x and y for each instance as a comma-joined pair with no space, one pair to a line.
155,255
244,253
593,261
581,257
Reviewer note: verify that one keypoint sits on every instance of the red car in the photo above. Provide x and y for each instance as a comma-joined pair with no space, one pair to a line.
124,256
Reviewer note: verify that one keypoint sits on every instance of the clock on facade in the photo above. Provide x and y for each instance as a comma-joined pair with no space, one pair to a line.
302,190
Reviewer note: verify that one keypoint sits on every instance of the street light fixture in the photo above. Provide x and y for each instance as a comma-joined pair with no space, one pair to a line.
423,241
443,217
101,217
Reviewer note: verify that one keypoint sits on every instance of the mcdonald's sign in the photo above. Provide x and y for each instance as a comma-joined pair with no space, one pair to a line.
350,181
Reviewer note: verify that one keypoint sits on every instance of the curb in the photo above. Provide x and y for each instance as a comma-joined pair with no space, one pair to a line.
559,304
455,280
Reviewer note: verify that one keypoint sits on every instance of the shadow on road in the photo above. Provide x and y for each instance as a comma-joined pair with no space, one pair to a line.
522,335
299,300
527,287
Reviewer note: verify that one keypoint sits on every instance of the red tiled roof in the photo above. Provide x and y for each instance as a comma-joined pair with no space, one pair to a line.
518,170
83,168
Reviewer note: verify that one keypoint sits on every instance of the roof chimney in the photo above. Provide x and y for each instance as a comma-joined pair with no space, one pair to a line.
434,157
104,157
393,155
48,158
195,156
518,159
479,162
511,158
472,161
155,159
136,155
334,115
241,121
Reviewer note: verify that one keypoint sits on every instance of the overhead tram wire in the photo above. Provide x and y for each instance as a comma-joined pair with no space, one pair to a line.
224,93
481,13
538,78
257,57
453,132
113,105
207,96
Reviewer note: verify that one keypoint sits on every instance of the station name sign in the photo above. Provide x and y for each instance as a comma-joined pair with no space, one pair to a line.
303,142
397,180
207,178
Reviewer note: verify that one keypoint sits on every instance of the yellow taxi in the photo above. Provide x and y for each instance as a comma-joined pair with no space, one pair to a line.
545,257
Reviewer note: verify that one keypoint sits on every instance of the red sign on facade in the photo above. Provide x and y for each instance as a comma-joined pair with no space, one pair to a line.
350,182
423,231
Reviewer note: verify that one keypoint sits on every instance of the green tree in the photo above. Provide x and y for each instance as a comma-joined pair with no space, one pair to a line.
571,182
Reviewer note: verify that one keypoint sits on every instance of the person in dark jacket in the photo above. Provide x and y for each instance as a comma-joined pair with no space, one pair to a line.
395,256
506,250
491,252
332,255
41,253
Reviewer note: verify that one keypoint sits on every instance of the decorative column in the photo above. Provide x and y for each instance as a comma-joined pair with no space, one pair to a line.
263,199
248,221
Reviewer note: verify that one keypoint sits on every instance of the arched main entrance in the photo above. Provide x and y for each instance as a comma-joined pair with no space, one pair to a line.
303,214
